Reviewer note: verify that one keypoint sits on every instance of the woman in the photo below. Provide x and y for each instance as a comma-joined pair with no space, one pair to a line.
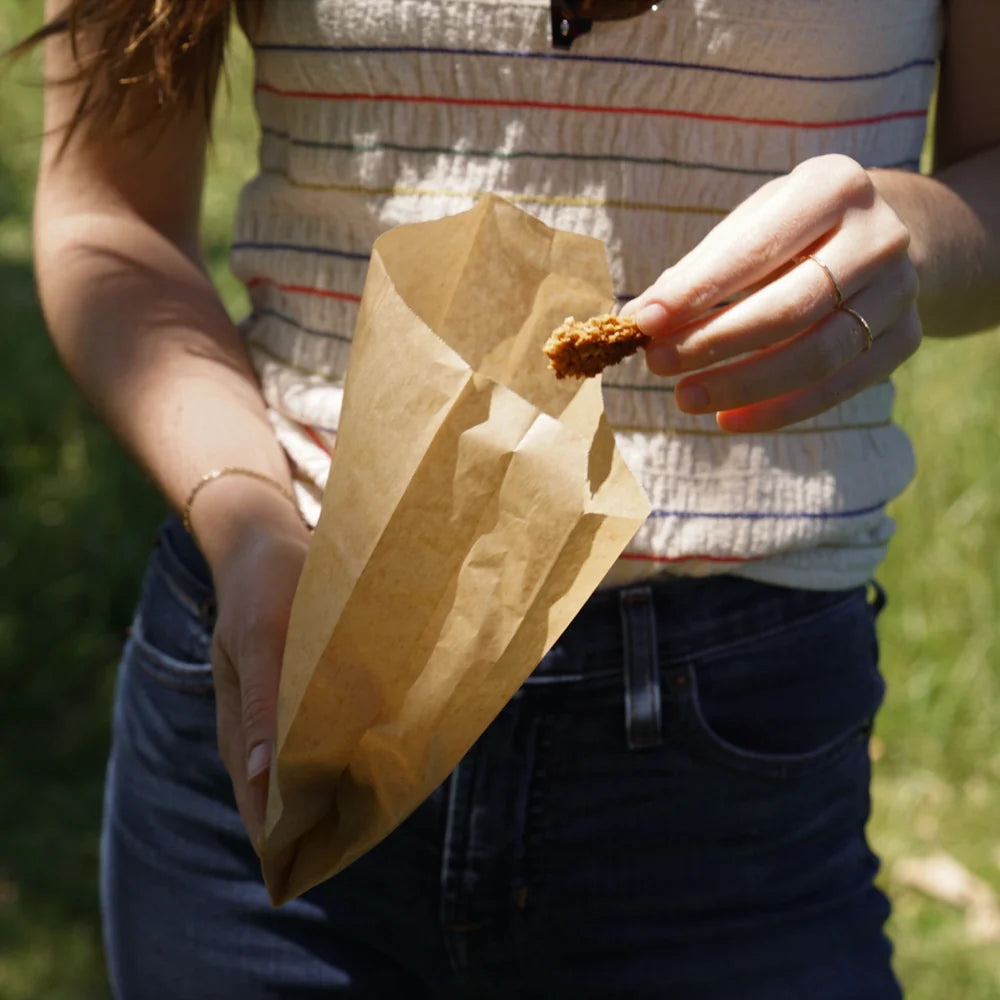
674,804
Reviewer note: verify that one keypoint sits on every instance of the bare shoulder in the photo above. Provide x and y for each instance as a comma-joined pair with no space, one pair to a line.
152,169
968,112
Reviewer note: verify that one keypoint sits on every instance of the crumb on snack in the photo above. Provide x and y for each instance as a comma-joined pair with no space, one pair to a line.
583,349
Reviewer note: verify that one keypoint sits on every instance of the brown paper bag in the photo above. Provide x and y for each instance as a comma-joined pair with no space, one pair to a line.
474,503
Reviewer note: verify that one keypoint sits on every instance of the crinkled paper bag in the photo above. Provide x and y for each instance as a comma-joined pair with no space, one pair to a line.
474,503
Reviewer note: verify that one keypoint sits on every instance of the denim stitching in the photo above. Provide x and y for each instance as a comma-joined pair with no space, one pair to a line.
190,678
769,765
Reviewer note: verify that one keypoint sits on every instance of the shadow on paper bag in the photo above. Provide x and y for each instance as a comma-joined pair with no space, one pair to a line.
474,504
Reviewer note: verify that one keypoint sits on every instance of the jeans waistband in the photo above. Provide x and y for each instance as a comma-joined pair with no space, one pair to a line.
691,613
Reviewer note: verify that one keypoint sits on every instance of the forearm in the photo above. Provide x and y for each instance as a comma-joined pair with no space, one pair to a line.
954,222
143,333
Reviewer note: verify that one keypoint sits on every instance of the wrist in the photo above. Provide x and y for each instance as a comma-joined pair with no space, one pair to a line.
232,512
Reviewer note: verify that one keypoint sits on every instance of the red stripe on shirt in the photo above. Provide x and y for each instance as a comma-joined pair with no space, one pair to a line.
326,293
315,438
649,557
590,108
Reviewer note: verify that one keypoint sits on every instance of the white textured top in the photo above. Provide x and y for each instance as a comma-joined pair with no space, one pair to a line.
644,134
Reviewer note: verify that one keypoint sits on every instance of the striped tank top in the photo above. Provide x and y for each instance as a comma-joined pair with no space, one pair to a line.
644,134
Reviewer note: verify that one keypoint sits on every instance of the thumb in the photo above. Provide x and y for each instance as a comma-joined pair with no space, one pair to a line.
258,707
258,702
245,716
255,593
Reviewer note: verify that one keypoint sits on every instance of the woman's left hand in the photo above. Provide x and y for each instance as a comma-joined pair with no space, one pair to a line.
783,350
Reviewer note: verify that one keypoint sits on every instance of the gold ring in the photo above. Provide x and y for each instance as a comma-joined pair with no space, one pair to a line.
869,339
833,281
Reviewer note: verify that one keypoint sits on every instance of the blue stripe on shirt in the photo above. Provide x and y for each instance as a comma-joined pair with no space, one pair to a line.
573,57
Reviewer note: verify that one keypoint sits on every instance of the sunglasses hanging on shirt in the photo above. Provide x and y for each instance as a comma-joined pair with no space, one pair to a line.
572,18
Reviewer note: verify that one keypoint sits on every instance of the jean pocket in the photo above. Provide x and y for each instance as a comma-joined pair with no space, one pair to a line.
171,634
793,699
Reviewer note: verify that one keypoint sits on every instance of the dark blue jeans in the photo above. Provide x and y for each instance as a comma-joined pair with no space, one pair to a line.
673,806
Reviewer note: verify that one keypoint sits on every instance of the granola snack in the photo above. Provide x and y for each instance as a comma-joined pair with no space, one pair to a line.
583,349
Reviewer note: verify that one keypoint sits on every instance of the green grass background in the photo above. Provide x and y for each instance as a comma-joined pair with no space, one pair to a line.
76,522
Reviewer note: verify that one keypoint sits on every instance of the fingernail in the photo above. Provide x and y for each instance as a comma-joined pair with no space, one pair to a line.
661,358
651,318
691,398
258,760
732,421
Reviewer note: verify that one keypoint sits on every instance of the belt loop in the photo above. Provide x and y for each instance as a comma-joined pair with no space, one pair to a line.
641,667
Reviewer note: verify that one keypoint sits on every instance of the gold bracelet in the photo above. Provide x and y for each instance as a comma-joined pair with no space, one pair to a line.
230,470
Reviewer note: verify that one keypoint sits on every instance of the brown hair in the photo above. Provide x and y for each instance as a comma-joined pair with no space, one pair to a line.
131,55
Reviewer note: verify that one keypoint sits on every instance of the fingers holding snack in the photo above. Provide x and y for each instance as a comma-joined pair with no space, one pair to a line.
804,359
781,298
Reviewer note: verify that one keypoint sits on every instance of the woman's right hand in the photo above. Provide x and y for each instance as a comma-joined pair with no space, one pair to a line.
256,545
143,332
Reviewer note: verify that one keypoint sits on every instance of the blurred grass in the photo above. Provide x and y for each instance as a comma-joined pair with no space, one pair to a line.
78,520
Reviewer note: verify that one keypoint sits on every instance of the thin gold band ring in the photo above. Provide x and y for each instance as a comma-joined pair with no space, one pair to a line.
839,302
860,320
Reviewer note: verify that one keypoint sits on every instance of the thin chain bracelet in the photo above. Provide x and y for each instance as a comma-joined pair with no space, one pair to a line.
230,470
